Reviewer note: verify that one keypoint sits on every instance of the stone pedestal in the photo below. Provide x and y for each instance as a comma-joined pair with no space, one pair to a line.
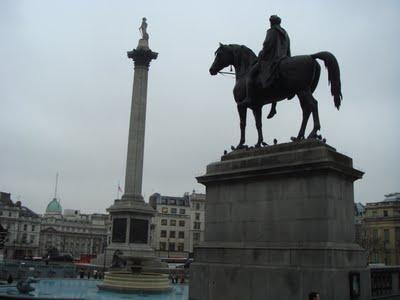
279,225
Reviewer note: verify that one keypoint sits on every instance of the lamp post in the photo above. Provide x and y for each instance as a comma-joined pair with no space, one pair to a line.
105,254
168,247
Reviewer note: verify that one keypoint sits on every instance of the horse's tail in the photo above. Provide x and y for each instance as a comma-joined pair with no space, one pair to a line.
333,74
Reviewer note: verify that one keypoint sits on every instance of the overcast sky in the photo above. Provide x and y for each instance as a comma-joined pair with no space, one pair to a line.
66,84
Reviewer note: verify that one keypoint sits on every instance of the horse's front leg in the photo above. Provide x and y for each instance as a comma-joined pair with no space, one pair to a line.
257,117
242,116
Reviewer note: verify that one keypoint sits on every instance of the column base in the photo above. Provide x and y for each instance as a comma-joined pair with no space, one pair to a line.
131,203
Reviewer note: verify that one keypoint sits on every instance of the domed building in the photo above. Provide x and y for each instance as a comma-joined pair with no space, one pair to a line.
71,232
54,208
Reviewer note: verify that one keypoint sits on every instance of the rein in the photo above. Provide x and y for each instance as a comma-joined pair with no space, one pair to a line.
227,73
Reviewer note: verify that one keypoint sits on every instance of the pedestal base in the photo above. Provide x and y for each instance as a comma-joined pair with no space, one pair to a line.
280,225
252,273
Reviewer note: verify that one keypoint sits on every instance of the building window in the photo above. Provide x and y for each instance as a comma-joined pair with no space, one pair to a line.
374,213
25,227
163,246
182,223
173,210
164,210
182,211
180,247
181,235
32,239
9,213
375,234
196,236
163,233
33,227
164,222
171,246
172,234
196,225
197,206
385,213
197,216
386,235
172,222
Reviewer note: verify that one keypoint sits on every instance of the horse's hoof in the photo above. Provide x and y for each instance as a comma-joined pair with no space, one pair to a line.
271,115
296,139
240,146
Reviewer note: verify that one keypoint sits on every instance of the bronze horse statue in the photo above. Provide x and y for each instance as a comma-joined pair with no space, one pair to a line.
297,75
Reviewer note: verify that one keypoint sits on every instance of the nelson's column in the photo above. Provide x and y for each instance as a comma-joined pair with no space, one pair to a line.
130,216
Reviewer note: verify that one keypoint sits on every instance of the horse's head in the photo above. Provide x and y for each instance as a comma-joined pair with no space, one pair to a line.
223,58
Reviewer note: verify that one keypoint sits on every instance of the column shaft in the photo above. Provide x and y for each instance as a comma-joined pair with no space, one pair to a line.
134,163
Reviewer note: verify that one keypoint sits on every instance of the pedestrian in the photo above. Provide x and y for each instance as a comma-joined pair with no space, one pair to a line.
81,274
88,274
10,279
95,275
313,296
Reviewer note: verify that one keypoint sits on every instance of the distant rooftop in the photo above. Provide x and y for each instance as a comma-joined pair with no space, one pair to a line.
5,201
54,207
359,209
392,197
157,199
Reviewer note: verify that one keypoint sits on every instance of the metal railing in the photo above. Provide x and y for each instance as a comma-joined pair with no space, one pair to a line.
22,269
385,282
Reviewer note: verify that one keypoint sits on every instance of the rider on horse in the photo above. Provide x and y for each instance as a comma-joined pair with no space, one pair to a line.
276,47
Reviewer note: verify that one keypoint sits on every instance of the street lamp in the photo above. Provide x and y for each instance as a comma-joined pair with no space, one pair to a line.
105,254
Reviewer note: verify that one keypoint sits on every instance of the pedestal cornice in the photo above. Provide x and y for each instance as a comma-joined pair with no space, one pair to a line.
281,160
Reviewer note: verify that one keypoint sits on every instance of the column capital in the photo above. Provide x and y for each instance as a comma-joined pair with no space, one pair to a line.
142,56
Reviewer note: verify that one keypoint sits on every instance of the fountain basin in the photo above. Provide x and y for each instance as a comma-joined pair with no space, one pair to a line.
126,282
84,289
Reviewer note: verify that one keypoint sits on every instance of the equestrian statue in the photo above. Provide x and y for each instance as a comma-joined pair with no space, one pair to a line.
275,75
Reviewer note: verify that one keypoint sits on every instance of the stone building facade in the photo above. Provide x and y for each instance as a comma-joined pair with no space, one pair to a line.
170,226
381,233
73,233
69,232
178,225
197,217
22,226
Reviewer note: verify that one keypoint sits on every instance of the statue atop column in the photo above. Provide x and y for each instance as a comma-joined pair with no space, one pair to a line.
143,30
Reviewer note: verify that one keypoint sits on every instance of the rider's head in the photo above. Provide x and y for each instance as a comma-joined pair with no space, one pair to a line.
275,20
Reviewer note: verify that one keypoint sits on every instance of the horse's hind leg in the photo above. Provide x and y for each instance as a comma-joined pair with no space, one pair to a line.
257,117
314,109
305,106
